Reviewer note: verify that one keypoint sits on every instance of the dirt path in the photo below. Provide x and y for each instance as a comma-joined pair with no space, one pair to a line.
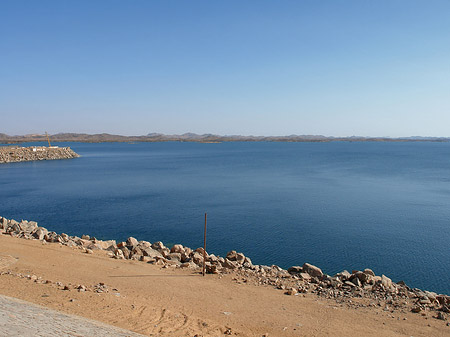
154,301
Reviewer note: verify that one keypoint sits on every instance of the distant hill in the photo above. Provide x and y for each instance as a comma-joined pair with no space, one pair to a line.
205,138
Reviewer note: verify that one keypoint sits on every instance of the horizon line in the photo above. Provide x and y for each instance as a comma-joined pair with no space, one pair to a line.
193,134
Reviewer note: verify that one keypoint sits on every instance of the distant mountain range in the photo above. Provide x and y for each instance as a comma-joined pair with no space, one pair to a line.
205,138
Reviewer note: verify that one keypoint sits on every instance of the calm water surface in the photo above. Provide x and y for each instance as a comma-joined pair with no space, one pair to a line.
339,205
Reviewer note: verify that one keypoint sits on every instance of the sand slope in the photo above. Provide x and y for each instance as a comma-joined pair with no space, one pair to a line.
159,301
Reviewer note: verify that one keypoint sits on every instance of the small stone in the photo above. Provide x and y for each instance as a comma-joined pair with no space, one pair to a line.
81,288
292,292
416,309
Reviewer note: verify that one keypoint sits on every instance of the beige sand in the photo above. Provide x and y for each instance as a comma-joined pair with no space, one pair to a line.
168,302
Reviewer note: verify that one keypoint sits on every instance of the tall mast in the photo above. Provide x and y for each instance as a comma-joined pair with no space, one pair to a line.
48,139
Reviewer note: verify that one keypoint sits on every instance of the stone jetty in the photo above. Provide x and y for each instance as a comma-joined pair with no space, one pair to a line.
13,154
359,288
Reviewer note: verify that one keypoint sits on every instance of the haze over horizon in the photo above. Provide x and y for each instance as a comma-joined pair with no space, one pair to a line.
334,68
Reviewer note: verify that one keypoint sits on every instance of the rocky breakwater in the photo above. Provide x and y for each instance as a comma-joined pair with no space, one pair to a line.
358,289
13,154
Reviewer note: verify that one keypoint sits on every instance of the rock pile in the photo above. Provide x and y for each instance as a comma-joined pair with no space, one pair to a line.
344,287
12,154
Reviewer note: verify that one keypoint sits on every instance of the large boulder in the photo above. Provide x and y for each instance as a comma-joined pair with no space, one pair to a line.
40,233
137,251
158,245
312,270
94,246
212,258
106,244
361,276
211,268
151,252
355,280
174,257
232,255
386,281
230,264
144,244
304,276
126,252
15,228
295,270
190,265
177,249
165,252
121,244
343,275
28,226
132,242
369,272
197,258
240,258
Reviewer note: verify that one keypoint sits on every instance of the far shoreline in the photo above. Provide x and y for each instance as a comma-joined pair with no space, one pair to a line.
205,138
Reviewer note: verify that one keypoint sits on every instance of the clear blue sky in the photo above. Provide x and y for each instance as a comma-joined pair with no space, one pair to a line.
342,68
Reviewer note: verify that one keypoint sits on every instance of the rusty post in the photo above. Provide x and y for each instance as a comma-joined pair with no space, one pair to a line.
204,250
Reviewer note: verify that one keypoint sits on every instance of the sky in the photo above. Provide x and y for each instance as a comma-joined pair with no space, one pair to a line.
334,68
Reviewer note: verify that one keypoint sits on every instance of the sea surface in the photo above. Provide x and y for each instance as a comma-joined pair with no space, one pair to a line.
337,205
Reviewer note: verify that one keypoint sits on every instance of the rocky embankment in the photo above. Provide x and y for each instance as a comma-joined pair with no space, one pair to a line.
13,154
356,289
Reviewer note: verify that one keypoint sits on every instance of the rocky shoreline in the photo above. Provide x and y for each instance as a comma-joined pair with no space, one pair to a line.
356,289
14,154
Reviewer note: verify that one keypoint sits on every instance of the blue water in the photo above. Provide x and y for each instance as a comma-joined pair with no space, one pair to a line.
339,205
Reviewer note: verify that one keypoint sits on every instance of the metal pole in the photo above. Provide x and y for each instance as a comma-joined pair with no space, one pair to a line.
204,250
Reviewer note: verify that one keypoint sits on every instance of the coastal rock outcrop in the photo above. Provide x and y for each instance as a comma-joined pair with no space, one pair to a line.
342,287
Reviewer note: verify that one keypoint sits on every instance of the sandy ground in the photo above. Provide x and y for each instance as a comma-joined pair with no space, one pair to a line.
159,301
